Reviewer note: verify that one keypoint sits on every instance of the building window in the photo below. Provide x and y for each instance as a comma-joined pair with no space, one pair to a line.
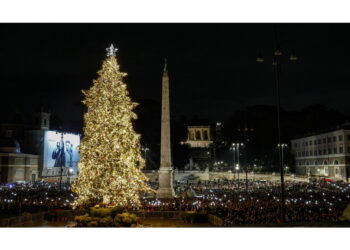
340,137
206,135
307,163
310,143
324,151
191,136
334,138
319,152
316,163
310,153
315,152
328,139
325,163
335,150
336,171
198,135
295,145
307,153
329,151
340,149
303,153
306,143
299,163
319,141
336,162
324,140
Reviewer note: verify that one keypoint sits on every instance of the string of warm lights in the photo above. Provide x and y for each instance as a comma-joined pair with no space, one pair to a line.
110,153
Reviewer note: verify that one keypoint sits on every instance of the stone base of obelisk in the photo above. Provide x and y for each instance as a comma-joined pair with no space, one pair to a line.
165,190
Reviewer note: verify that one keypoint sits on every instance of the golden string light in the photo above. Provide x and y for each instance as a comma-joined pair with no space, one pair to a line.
110,152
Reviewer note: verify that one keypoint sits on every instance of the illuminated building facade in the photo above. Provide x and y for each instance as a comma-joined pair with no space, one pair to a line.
324,154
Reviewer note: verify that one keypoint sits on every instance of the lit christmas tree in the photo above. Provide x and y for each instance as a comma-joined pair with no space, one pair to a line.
110,157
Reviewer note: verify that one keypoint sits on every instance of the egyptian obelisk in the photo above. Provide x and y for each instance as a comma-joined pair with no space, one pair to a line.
165,172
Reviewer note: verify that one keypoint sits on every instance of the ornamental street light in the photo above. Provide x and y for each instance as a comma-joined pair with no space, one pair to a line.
145,149
281,148
276,63
238,145
233,148
61,155
237,169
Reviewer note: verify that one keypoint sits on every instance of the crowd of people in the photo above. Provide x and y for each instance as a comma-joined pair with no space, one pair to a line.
33,197
259,202
254,202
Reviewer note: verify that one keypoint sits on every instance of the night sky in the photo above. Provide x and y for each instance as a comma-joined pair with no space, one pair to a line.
212,67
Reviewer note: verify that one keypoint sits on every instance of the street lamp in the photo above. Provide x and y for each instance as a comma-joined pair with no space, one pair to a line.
61,156
233,148
145,149
281,148
237,170
238,145
276,63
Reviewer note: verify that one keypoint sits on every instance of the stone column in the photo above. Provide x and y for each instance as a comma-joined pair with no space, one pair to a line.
165,172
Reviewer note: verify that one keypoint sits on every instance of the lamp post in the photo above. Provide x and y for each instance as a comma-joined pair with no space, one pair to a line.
238,145
281,148
61,155
233,148
145,149
276,63
237,169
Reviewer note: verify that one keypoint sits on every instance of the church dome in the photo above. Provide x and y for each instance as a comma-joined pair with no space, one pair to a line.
9,145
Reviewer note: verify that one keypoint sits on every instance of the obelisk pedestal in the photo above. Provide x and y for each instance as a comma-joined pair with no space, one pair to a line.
165,172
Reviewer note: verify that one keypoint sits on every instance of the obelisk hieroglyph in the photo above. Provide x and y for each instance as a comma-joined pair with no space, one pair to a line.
165,172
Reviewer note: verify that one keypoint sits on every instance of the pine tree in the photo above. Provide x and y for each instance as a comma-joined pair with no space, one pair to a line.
110,157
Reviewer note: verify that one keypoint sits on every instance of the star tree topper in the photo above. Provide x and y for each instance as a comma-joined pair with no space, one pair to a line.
111,51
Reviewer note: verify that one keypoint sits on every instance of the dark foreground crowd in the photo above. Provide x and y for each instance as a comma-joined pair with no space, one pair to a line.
257,203
260,203
34,197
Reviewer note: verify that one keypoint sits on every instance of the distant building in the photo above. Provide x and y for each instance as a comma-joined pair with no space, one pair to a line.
324,154
199,140
14,165
52,154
